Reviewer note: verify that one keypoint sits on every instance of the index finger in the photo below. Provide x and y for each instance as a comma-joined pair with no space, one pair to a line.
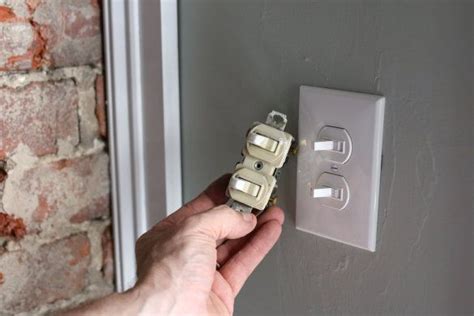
213,195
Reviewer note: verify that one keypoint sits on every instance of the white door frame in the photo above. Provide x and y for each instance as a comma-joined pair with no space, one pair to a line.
142,75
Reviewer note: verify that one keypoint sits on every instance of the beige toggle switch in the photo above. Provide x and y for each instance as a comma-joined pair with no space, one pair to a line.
265,152
244,186
263,142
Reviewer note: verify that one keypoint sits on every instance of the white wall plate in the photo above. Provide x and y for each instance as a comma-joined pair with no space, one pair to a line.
361,115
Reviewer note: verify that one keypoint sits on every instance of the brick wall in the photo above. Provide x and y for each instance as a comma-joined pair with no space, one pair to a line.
55,239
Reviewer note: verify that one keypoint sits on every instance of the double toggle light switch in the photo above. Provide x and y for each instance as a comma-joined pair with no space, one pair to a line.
253,183
339,161
333,144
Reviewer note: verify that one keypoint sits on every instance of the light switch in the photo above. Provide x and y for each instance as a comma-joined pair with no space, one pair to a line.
339,161
245,186
263,142
334,144
332,190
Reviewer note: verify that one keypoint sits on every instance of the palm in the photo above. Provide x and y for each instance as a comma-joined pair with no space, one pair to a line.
236,258
221,298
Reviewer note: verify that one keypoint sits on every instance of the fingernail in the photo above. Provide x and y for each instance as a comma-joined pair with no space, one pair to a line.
248,217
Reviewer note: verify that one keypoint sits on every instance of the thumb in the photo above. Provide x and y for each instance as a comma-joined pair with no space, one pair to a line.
221,222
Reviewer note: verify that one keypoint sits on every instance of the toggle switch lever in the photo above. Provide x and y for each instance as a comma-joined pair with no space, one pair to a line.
327,192
263,142
244,186
332,145
331,190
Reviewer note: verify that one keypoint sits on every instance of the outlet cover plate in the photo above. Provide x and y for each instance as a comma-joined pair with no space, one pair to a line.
362,116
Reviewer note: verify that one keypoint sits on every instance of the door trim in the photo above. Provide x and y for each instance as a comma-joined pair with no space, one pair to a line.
142,76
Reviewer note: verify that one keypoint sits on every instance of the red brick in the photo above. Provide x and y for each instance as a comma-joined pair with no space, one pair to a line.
100,110
54,271
75,190
43,116
43,210
11,226
6,14
20,45
99,207
49,33
71,29
38,115
108,255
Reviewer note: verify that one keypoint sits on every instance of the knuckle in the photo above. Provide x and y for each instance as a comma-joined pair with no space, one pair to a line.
194,225
201,225
190,223
193,233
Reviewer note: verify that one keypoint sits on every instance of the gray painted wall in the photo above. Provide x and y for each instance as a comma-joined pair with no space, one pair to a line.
240,59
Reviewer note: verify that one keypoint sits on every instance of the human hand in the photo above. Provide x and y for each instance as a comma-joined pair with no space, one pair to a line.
177,258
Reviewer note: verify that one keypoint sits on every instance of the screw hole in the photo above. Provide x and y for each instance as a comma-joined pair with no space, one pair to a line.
258,165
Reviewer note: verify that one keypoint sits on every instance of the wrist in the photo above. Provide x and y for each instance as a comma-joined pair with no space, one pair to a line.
130,302
147,299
